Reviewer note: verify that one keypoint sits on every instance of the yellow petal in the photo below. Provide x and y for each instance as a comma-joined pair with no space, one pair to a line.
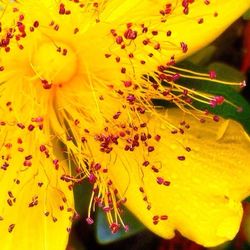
35,204
204,22
203,198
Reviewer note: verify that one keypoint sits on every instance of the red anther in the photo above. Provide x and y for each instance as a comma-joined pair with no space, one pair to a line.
181,158
36,24
37,119
219,99
21,17
62,9
114,227
116,115
27,163
212,74
21,27
159,180
216,118
200,20
83,139
97,166
151,149
123,70
92,178
31,127
155,222
184,47
28,157
65,52
127,84
20,125
157,137
157,46
163,217
130,34
156,217
119,39
89,220
168,33
154,32
166,183
131,98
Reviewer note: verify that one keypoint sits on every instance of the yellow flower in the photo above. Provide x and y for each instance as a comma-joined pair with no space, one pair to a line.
78,80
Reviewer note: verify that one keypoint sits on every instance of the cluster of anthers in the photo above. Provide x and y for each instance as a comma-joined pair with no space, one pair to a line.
80,76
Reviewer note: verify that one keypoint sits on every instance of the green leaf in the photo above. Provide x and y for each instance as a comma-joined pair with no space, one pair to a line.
203,56
82,194
103,233
230,93
246,16
247,199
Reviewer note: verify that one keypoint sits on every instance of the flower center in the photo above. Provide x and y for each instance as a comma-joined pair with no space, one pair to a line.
55,62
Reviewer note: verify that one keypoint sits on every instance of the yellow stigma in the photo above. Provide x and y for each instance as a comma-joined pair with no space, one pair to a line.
55,62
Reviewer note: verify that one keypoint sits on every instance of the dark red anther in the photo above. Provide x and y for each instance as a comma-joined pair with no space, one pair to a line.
31,127
157,137
62,9
11,227
169,32
181,158
114,227
154,32
216,118
89,220
92,178
10,203
130,34
36,24
21,17
131,98
163,217
156,217
27,163
119,39
157,46
28,157
97,166
116,115
166,183
127,84
145,163
184,47
160,180
200,20
212,74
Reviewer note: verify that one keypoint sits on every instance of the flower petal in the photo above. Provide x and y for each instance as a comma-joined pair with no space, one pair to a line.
206,187
204,21
35,205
